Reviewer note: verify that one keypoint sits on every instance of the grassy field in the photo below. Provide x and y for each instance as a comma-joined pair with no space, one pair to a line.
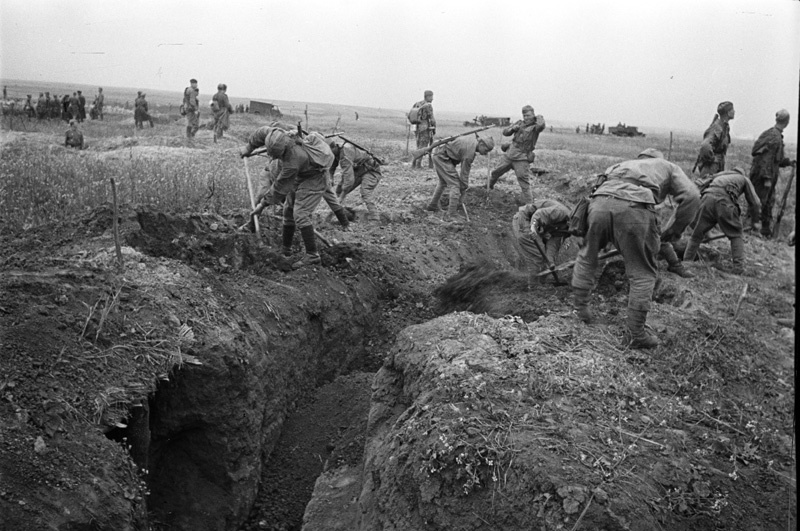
42,181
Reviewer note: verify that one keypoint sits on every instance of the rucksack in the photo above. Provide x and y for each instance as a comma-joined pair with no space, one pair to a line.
318,150
183,109
413,115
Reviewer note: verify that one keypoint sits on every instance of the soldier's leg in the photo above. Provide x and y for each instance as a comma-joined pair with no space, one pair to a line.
307,198
597,237
767,203
288,224
503,166
369,183
730,224
448,178
636,235
422,142
674,264
333,202
524,178
704,222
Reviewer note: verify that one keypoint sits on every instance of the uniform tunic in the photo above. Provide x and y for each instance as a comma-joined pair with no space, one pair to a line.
550,218
714,147
520,153
445,158
768,158
358,169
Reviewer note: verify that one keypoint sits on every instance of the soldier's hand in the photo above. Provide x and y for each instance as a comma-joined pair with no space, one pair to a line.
244,152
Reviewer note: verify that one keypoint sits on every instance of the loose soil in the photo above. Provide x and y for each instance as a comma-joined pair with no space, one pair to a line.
558,421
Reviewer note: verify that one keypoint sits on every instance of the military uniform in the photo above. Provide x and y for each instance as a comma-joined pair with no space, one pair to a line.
140,112
720,206
358,169
445,159
622,212
74,139
768,158
520,154
425,129
41,107
99,103
81,107
543,221
222,111
192,108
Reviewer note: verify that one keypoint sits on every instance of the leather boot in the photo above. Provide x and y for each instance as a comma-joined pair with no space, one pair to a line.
341,215
737,254
310,241
493,180
288,236
580,303
640,337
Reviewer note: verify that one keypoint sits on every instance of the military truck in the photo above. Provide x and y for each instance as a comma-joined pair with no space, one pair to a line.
624,130
267,109
483,120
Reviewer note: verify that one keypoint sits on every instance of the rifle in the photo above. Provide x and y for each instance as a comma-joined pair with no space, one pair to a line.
419,153
777,226
365,150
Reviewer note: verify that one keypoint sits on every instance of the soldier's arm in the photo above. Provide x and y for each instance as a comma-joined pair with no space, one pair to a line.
550,215
540,125
466,166
707,146
687,197
511,129
752,198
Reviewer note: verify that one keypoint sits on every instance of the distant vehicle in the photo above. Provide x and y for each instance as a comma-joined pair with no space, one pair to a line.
624,130
483,120
267,109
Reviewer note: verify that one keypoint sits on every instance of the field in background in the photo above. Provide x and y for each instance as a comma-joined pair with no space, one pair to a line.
42,181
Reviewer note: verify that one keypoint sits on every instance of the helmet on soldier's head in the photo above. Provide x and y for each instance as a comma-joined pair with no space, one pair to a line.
487,141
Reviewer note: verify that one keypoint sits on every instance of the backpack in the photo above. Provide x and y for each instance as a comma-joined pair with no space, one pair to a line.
183,109
413,115
318,150
578,224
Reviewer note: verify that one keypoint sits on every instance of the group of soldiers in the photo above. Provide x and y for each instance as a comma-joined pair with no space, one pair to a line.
65,107
221,109
620,211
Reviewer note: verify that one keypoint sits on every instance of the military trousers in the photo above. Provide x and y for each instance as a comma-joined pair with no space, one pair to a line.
765,190
631,227
530,252
449,178
521,169
718,208
368,181
301,203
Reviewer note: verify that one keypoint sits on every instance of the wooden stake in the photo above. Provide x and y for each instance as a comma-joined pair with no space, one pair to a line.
669,154
116,225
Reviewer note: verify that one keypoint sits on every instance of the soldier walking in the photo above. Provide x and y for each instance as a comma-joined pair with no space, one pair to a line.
425,126
720,206
622,212
520,153
768,159
462,151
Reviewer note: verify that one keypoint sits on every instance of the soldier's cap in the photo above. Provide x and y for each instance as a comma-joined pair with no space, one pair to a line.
782,116
221,86
651,153
428,93
192,80
527,108
73,122
79,92
487,141
724,107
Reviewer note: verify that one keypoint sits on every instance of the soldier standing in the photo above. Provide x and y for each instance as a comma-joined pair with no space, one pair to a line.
425,127
222,110
41,107
540,225
720,206
520,153
462,151
81,107
192,108
716,140
99,102
622,212
29,107
73,107
768,159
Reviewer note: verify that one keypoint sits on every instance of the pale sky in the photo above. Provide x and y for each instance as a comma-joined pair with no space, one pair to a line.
660,64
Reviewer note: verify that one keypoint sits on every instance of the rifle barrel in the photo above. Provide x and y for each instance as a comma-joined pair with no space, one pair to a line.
419,153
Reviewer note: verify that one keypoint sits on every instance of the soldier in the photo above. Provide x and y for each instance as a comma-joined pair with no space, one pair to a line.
74,138
99,102
65,115
48,103
81,107
768,158
300,185
445,158
720,206
222,110
29,107
540,225
192,108
520,153
425,127
359,168
41,107
622,212
141,114
73,107
716,140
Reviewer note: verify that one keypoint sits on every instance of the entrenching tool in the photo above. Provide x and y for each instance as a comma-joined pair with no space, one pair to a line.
252,199
547,261
776,229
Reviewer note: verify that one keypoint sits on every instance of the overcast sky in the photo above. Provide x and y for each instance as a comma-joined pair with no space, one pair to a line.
665,64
